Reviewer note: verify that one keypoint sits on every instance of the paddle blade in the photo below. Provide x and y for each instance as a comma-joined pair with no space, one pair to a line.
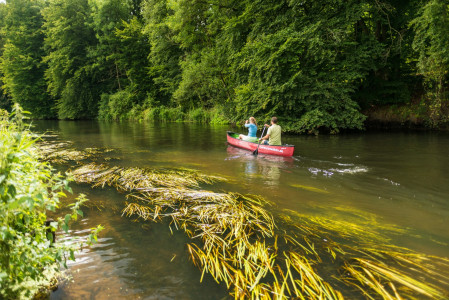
255,152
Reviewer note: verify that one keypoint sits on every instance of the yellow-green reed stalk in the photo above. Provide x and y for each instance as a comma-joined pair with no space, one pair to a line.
236,241
128,179
234,231
370,264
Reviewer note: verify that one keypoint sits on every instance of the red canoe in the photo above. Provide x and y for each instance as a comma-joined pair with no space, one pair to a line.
284,150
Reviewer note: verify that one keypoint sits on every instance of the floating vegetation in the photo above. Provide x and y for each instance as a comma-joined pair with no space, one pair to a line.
128,179
365,260
357,227
310,188
61,153
238,242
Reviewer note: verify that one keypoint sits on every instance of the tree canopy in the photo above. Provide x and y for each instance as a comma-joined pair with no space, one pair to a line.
317,65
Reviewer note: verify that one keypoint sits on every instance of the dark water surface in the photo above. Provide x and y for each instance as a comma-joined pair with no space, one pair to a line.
396,179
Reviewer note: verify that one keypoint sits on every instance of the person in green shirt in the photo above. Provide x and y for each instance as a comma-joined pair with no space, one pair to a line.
273,136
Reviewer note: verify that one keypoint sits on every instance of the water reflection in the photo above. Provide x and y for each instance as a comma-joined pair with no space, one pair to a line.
264,167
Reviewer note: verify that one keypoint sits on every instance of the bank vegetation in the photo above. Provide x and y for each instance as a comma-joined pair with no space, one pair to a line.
317,65
31,258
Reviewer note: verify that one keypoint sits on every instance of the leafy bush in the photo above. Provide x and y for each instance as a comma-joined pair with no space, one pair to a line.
217,116
431,42
164,114
198,115
173,114
115,106
29,189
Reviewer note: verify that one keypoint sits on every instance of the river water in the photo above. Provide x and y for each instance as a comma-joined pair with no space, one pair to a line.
399,179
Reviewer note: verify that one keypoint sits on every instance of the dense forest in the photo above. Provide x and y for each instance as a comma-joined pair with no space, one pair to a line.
317,65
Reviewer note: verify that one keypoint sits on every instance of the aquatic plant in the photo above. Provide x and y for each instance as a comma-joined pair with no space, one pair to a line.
257,254
61,153
128,179
241,246
368,261
310,188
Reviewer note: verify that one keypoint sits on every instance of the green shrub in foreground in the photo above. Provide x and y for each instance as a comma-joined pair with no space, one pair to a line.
29,259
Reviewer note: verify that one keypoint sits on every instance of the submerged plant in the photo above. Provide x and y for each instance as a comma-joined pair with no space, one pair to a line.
60,153
256,254
140,178
368,262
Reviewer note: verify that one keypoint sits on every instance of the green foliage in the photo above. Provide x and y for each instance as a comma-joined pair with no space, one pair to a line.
119,49
116,106
70,74
176,114
315,65
170,114
432,45
165,51
307,70
383,26
217,116
106,17
197,115
5,103
164,114
29,258
22,70
133,60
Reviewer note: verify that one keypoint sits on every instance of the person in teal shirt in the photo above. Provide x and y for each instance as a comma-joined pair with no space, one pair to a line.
252,130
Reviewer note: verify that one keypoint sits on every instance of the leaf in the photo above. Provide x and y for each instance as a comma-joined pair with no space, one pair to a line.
67,219
54,225
3,275
72,255
12,190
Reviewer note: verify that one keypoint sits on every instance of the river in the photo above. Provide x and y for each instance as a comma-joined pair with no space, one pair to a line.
399,179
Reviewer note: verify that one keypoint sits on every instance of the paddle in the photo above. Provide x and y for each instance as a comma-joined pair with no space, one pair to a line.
257,149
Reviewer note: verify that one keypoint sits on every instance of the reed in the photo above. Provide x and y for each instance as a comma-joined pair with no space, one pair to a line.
57,152
371,264
129,179
260,255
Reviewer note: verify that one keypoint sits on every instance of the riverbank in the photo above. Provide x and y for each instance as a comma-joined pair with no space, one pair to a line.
410,116
406,116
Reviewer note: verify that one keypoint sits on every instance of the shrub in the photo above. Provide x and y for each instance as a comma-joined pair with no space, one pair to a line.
217,117
115,106
29,188
199,115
